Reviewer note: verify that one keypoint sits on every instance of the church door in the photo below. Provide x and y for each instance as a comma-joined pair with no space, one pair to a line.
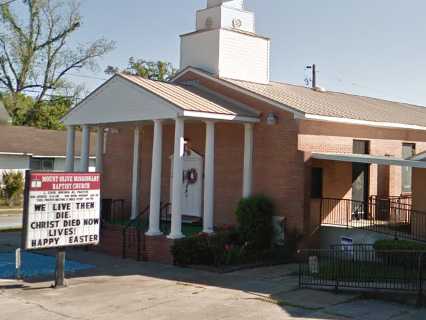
192,184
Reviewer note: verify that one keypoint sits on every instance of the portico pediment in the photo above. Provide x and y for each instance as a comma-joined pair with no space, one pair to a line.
119,100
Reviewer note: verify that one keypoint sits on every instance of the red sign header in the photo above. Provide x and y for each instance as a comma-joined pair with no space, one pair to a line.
64,181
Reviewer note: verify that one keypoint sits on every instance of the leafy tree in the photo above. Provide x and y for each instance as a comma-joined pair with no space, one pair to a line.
35,53
49,112
153,70
13,187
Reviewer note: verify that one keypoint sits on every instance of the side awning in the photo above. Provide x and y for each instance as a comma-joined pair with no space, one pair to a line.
370,159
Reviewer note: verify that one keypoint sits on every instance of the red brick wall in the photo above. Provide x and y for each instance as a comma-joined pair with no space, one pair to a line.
117,176
158,249
281,159
338,138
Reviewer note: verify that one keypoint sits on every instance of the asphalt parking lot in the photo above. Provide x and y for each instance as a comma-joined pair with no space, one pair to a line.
126,289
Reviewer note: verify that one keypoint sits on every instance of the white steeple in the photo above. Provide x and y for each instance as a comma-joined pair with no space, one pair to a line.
237,4
225,43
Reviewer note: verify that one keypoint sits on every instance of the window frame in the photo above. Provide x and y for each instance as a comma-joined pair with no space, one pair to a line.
42,164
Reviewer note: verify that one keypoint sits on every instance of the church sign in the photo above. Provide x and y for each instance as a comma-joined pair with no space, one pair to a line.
61,210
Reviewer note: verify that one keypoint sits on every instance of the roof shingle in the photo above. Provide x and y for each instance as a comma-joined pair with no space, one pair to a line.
339,105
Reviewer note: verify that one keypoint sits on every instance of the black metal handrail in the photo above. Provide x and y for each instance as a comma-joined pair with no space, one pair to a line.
398,220
165,213
139,225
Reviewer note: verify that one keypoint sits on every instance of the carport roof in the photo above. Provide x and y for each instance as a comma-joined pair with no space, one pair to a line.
369,159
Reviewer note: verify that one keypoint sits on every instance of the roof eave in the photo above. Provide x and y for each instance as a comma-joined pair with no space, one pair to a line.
378,124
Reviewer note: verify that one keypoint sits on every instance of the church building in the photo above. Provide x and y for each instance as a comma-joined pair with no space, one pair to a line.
185,152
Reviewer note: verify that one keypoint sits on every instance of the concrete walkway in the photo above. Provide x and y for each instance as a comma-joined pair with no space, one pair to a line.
125,289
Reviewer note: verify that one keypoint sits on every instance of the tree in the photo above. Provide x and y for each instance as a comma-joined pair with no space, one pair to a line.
13,187
153,70
49,112
35,53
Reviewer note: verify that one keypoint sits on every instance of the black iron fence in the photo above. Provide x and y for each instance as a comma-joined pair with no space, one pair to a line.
362,267
386,216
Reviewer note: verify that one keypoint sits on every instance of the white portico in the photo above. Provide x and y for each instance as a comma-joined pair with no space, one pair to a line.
226,46
137,102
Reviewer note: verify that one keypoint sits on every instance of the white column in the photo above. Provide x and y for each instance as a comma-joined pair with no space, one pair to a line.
136,174
209,179
85,146
69,162
176,228
248,160
155,201
99,149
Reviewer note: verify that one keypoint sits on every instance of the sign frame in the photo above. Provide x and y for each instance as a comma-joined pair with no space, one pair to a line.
25,216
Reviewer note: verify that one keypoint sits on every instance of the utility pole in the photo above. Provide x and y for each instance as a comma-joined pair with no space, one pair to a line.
314,75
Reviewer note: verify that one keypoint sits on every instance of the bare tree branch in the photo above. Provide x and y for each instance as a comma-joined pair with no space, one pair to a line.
35,51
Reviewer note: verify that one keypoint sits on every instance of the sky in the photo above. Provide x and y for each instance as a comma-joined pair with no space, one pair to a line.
366,47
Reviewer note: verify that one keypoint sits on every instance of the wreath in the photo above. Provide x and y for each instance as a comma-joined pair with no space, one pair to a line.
191,176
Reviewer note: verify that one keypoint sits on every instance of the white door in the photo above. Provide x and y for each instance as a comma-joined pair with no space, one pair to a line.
192,184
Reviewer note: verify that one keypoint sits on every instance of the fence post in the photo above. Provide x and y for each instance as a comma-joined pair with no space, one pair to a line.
124,243
336,288
347,217
420,281
139,245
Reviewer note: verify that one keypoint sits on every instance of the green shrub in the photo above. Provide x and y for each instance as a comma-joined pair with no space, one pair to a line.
397,252
193,250
254,215
398,245
203,249
13,187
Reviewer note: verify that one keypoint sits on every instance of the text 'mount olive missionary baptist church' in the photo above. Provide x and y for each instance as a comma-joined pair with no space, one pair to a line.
190,149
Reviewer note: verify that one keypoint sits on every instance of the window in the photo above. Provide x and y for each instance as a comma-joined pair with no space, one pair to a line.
408,151
316,183
42,164
361,147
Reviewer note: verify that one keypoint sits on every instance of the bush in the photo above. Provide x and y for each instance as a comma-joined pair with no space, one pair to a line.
13,187
218,249
398,245
192,250
254,217
402,255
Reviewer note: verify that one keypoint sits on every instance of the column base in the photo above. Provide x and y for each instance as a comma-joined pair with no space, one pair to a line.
154,233
175,236
208,231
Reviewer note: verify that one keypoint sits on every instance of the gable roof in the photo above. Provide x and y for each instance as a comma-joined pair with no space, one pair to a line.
126,98
190,97
38,142
306,103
